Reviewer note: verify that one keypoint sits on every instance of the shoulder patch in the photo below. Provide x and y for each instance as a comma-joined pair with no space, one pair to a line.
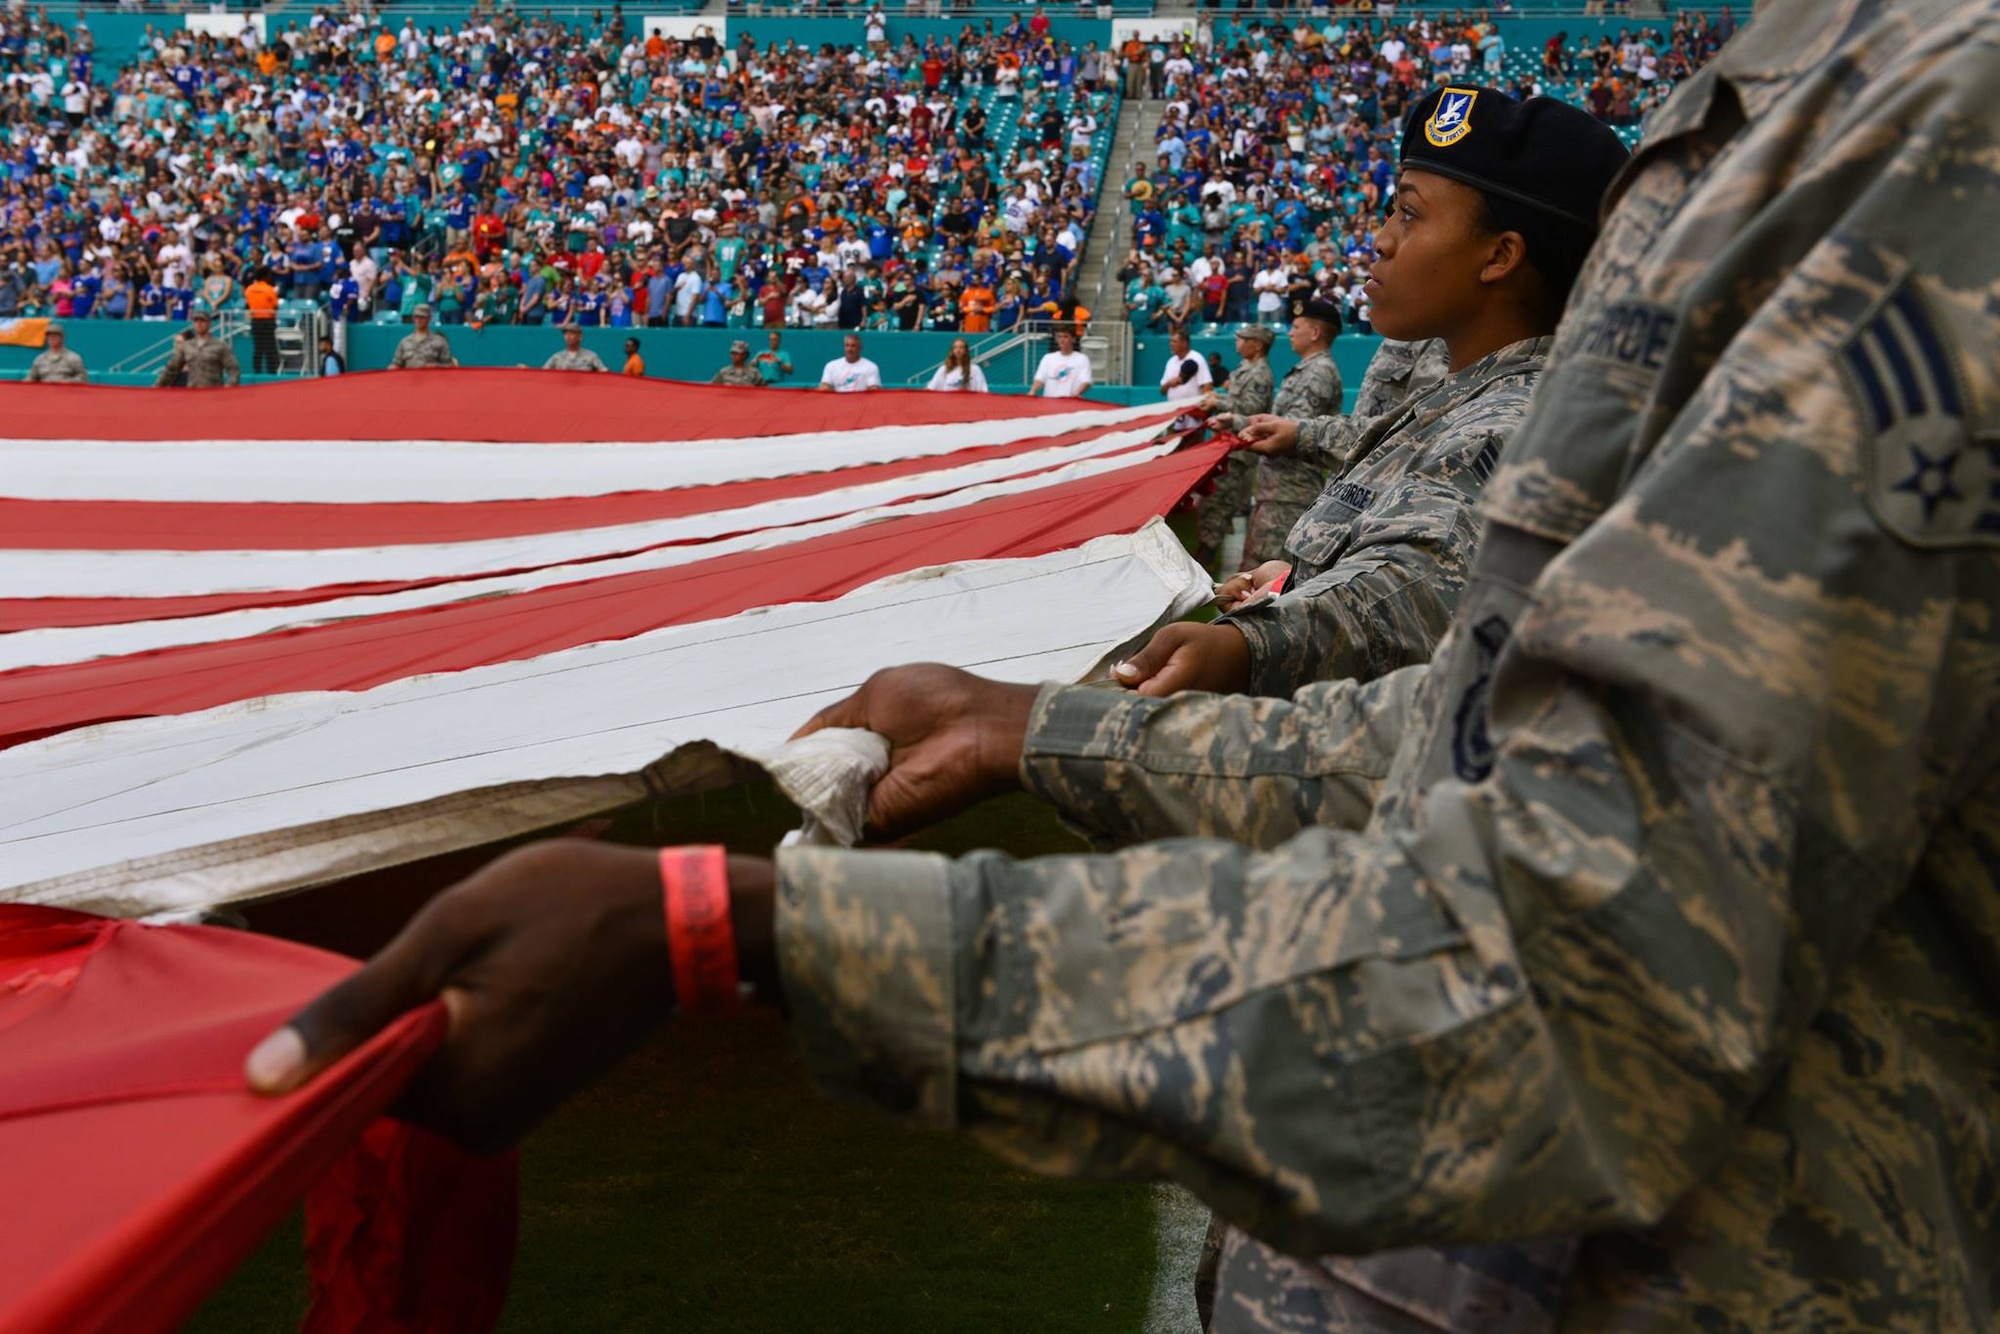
1452,119
1930,480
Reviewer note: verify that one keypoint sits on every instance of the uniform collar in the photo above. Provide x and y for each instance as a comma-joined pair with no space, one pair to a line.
1515,359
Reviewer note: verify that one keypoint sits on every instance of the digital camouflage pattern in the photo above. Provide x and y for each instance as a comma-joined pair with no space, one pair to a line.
418,350
1247,394
1397,373
583,359
740,376
57,366
1287,487
1379,560
206,360
1673,928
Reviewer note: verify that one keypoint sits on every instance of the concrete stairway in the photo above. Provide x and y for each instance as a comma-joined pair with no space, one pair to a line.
1097,285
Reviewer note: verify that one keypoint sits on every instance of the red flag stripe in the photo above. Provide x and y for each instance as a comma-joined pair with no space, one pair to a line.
135,525
502,576
491,405
355,655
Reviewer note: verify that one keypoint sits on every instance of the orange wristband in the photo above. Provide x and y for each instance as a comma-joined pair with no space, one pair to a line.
701,937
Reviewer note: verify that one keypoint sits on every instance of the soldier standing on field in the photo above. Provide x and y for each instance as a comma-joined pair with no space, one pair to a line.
203,359
739,371
1287,488
574,355
422,348
1247,395
1627,967
1396,374
55,363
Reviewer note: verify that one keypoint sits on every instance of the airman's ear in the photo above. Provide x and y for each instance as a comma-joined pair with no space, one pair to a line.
1508,255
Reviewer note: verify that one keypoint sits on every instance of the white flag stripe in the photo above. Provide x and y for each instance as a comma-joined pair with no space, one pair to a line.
144,816
64,645
378,472
28,573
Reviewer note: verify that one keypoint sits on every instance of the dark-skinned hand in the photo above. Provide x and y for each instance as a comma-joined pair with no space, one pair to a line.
1188,655
954,740
553,965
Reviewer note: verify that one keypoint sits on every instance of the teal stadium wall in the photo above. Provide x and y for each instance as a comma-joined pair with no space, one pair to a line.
678,354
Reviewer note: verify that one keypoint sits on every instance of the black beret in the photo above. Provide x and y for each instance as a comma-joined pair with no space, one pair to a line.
1543,153
1312,308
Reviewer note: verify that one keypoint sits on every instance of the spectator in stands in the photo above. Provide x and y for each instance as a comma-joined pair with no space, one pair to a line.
850,373
330,360
1065,372
959,371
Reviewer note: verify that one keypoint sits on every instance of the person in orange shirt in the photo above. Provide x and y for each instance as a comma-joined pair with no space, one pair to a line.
262,299
976,306
635,365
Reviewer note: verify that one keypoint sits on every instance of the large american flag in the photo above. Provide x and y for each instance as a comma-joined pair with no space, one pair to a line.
259,639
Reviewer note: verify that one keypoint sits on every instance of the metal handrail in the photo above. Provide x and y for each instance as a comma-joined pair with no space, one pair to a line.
223,324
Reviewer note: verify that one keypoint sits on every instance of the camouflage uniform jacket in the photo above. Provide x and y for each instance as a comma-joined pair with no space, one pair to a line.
1248,393
53,366
742,376
1397,373
208,361
1287,487
583,359
417,350
1379,559
1673,927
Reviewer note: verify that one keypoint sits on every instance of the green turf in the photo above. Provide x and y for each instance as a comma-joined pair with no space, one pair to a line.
706,1186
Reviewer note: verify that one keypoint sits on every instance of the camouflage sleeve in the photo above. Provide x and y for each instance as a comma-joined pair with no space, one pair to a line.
1388,598
1397,373
401,358
1667,775
1246,395
176,362
1122,768
1543,1009
1331,442
232,370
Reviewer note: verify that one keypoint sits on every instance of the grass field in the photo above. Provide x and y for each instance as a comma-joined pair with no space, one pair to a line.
706,1186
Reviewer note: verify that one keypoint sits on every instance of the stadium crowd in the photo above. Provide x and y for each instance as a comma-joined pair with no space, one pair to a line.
516,170
1277,150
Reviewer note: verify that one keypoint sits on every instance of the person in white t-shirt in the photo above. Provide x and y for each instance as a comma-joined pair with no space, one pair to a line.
1063,373
960,373
852,373
1187,375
